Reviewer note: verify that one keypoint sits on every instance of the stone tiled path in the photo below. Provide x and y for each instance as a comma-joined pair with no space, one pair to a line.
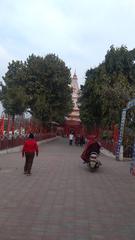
62,200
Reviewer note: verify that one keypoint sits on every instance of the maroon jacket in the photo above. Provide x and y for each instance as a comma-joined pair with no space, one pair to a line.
90,147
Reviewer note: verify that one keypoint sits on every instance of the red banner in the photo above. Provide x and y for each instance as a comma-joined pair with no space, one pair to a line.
13,127
115,134
8,125
2,126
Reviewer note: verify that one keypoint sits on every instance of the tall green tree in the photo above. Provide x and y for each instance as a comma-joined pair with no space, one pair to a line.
47,88
89,100
108,88
12,94
40,85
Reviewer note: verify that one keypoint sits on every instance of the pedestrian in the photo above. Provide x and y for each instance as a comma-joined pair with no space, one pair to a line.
77,139
71,137
82,140
30,147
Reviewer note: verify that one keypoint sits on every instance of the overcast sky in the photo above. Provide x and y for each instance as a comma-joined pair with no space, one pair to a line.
79,31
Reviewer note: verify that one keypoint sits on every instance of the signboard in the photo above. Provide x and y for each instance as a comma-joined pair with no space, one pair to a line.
130,104
132,166
123,118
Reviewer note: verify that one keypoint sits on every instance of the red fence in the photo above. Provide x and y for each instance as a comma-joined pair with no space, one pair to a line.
107,137
6,143
109,146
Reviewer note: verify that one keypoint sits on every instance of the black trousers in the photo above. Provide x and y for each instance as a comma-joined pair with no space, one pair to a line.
28,162
70,142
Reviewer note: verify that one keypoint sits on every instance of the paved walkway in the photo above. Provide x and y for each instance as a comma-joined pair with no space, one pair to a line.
62,200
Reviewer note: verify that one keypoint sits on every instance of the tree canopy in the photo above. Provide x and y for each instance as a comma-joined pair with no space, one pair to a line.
108,88
40,85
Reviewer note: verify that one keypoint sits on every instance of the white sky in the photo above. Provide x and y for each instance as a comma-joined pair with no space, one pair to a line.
79,31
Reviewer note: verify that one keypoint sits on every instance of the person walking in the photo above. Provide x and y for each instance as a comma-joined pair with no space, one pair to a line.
82,140
30,147
71,138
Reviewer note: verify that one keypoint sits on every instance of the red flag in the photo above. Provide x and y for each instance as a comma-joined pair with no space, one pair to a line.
20,125
29,127
115,134
20,128
8,125
2,126
13,127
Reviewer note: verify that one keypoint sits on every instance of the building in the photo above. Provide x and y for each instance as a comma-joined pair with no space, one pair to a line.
73,122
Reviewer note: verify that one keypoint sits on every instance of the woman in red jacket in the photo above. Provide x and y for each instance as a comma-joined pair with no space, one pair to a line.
30,147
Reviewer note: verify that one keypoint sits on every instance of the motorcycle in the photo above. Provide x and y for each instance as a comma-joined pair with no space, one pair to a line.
90,154
93,162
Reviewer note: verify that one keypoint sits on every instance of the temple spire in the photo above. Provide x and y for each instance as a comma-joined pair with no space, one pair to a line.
74,115
74,83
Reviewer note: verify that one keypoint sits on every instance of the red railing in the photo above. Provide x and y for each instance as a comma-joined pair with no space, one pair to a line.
109,146
6,143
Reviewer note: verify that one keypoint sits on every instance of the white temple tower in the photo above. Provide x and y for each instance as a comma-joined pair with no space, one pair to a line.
74,115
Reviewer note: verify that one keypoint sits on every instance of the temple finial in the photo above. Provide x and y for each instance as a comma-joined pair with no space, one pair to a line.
75,76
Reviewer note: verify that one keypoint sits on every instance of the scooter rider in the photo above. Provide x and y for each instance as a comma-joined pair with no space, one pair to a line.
92,146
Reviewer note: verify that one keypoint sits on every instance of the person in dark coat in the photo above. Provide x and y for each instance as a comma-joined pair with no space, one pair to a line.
92,146
30,147
77,139
82,140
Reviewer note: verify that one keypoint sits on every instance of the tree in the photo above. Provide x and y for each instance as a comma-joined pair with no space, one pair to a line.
40,85
47,88
89,100
114,99
12,94
121,61
108,88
